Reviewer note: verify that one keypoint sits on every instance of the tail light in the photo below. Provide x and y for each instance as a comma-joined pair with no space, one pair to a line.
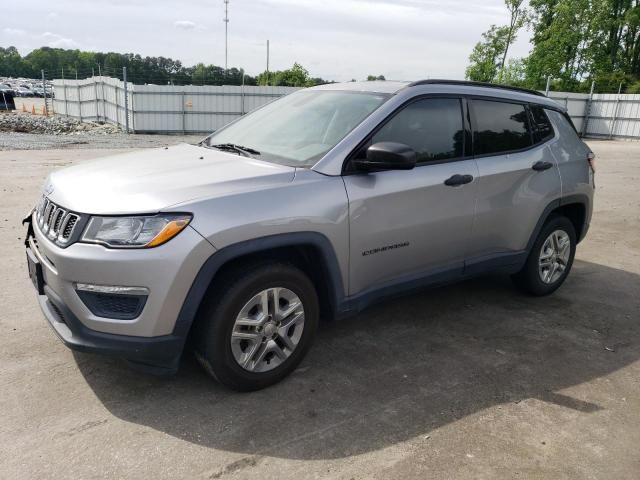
591,158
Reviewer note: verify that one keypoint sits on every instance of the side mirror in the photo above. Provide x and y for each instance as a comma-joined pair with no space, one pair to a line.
387,156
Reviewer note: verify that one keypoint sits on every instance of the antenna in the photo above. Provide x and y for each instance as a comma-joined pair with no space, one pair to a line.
226,35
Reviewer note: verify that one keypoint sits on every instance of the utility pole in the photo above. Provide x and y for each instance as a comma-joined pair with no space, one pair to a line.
242,94
615,113
546,90
44,89
587,110
126,100
226,35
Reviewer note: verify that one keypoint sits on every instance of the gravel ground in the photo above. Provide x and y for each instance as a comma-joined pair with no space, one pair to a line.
92,140
473,380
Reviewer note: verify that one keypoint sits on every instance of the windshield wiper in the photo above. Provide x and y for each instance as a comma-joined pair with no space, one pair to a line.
246,151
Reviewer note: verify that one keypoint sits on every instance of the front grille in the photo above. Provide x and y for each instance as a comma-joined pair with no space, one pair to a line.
55,222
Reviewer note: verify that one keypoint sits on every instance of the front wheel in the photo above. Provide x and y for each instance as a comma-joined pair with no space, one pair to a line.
257,328
550,259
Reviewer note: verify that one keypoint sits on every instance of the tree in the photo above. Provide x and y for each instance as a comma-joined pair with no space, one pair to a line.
517,19
485,57
140,70
565,33
514,73
199,74
371,78
616,48
296,76
11,64
489,56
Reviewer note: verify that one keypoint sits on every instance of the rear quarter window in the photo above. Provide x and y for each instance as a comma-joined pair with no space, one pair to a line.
542,129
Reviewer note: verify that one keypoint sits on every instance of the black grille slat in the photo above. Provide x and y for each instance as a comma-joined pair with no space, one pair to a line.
58,219
68,228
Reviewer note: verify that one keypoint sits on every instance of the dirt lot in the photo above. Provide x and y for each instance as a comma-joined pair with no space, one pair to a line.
82,140
468,381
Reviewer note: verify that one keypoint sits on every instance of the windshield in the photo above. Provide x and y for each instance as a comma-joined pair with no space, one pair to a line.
298,129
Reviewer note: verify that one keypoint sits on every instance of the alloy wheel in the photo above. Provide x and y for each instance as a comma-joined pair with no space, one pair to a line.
554,256
267,329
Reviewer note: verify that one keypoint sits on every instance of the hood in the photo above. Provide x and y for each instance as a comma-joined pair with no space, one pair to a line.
151,180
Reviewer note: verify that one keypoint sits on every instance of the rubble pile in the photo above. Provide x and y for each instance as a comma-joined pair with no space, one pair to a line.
55,125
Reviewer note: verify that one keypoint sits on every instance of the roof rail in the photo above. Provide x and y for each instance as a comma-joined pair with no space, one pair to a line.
475,84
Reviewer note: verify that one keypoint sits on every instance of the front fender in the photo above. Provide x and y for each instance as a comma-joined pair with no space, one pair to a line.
212,265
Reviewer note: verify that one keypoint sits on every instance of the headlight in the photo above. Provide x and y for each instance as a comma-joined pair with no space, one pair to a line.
135,232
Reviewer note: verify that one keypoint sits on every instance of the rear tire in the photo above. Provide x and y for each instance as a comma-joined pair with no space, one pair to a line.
550,259
257,326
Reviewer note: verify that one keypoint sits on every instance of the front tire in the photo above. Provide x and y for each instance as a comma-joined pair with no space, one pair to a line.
257,326
550,259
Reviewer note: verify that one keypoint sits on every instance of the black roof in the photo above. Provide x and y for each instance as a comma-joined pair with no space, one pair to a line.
475,84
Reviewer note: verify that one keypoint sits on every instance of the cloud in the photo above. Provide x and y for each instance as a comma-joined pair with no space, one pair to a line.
17,32
58,41
335,39
185,24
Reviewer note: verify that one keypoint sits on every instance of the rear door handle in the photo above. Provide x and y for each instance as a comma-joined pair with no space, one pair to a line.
539,166
458,179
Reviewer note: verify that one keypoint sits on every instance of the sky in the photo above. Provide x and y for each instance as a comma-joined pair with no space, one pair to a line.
334,39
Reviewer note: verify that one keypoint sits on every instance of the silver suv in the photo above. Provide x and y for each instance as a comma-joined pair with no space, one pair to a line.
311,207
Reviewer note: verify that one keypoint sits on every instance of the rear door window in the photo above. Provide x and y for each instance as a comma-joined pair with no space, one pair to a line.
500,127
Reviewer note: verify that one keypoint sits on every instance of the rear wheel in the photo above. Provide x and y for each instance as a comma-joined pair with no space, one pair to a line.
550,259
257,326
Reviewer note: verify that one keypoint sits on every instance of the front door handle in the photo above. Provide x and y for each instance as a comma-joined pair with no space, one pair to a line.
541,165
458,179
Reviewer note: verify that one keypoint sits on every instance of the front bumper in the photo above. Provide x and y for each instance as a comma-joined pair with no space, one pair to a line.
166,271
155,354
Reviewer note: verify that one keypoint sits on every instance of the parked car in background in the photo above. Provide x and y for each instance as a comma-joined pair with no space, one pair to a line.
316,205
6,99
37,91
23,92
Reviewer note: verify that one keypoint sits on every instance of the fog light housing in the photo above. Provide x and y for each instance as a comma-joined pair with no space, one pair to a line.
111,301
